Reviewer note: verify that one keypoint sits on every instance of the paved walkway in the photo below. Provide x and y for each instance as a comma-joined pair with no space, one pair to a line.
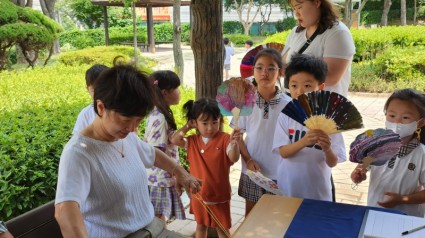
369,105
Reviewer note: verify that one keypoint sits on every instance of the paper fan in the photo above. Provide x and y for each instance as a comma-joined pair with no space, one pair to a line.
248,60
236,97
264,182
374,147
324,110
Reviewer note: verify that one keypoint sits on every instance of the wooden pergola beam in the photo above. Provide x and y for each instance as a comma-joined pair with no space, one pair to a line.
148,4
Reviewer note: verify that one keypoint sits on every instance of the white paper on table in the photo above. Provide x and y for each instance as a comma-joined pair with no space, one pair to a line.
264,182
378,224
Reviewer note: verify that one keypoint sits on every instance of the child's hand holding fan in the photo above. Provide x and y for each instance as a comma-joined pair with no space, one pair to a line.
324,110
372,147
236,97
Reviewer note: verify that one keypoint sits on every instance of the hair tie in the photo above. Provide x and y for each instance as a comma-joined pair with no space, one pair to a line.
155,82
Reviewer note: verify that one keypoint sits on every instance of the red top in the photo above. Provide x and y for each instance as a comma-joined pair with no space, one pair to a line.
212,166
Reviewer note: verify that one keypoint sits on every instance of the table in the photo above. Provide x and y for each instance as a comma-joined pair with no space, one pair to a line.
270,217
280,216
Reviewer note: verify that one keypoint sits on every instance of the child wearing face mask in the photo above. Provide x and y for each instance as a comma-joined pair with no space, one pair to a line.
399,184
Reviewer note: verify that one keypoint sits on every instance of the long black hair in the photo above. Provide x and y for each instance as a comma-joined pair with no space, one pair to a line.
165,80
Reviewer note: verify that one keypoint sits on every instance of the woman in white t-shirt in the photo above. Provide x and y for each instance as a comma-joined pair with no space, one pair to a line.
330,40
102,186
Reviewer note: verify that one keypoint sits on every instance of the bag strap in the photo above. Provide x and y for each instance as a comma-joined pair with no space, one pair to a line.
308,42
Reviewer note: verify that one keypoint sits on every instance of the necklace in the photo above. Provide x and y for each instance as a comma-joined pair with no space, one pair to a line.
120,151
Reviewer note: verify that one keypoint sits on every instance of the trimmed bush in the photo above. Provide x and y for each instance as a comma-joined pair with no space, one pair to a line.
238,39
97,55
233,27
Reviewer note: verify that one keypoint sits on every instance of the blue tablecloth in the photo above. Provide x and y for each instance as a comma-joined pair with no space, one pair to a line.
327,219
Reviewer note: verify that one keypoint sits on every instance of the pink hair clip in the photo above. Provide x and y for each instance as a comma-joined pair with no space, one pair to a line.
155,82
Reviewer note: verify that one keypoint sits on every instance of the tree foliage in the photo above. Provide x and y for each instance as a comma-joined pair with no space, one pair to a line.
27,28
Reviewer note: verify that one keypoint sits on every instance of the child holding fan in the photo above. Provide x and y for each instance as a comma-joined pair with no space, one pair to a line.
210,153
160,125
256,150
399,183
307,156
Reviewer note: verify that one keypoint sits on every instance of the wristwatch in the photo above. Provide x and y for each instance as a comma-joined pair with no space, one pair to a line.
3,227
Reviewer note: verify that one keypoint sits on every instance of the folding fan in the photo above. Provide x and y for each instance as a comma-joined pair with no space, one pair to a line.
236,97
248,60
324,110
374,147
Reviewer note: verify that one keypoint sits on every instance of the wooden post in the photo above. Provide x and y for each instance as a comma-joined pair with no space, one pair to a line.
207,46
106,24
151,38
177,49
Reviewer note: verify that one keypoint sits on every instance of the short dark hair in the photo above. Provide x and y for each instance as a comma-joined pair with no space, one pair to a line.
226,40
416,98
206,107
93,72
125,90
249,42
307,64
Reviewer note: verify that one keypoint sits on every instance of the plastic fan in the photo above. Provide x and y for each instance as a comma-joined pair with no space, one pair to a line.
324,110
236,97
248,60
264,182
374,147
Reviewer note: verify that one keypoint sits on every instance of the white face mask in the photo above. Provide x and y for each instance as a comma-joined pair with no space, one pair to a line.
402,129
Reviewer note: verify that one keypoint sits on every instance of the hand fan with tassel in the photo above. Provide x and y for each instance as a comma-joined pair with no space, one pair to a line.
324,110
236,97
374,147
247,63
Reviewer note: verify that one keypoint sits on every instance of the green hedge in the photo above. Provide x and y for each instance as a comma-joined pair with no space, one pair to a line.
232,27
96,37
38,110
97,55
369,42
238,39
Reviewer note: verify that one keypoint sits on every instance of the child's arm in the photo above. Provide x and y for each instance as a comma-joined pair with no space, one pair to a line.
287,151
177,138
233,148
250,163
359,174
397,199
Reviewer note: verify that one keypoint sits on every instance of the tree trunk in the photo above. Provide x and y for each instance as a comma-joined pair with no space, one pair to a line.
247,23
347,12
136,50
207,46
177,49
403,12
48,8
384,18
415,12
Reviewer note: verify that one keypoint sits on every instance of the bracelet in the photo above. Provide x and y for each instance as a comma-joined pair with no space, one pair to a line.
248,162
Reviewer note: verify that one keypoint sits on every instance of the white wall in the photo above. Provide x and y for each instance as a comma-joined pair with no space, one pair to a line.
232,15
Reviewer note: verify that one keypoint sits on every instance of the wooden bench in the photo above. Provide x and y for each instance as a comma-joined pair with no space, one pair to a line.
140,44
39,222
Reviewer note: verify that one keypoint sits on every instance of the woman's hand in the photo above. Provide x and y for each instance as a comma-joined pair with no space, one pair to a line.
184,179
